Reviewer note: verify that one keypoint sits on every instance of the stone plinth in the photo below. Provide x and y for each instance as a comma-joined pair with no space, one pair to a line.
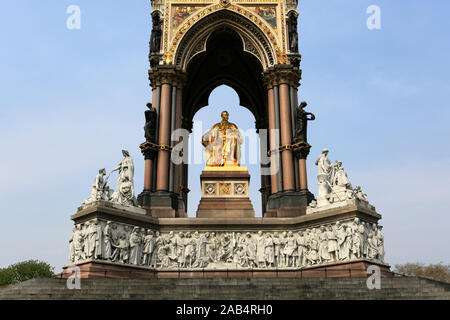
345,203
225,193
130,218
104,269
109,204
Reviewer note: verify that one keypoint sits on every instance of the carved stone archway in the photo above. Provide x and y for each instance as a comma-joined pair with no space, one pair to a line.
254,40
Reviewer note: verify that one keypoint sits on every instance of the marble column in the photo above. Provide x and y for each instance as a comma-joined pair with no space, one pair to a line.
184,180
294,103
162,176
286,199
172,128
303,176
286,139
165,199
156,105
265,168
148,175
178,120
272,140
277,136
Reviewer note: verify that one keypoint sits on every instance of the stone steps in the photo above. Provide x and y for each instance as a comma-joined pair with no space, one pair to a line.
286,292
248,289
285,288
224,297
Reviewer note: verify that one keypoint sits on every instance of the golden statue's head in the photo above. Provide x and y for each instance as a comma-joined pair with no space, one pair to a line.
224,115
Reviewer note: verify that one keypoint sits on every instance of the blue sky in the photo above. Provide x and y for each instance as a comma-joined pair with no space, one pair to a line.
71,100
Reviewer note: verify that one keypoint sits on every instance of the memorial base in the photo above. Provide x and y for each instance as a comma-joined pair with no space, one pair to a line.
103,269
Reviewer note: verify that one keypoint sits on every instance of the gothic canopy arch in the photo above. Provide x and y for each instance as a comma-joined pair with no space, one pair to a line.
261,29
222,60
254,41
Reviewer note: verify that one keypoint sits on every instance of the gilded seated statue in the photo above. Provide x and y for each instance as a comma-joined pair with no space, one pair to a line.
223,143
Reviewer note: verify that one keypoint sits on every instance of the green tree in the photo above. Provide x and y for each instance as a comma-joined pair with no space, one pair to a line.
6,276
439,272
25,270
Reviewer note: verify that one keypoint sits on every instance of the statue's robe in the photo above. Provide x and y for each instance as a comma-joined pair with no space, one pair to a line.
222,144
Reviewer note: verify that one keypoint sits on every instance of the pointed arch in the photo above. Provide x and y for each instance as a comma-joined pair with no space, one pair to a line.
257,39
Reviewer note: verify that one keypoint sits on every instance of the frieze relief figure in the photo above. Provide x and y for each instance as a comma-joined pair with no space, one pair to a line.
269,255
93,242
109,239
135,246
149,248
120,243
121,251
323,253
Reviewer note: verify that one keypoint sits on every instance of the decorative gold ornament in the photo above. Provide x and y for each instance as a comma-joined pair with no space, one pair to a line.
225,3
225,189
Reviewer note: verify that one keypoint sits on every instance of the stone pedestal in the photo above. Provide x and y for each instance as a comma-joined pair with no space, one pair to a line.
225,193
288,203
166,204
104,269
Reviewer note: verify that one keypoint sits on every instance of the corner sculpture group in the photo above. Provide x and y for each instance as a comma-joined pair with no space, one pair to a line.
334,187
125,185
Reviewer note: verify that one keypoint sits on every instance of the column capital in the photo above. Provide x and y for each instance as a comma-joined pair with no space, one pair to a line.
160,75
282,74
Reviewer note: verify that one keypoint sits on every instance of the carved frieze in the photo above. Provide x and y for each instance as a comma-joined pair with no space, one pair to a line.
120,243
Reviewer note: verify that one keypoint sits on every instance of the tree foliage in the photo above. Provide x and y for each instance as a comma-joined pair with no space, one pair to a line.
439,272
25,270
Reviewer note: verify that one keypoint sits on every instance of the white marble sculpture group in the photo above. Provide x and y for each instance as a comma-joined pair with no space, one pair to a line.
124,195
334,187
119,243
